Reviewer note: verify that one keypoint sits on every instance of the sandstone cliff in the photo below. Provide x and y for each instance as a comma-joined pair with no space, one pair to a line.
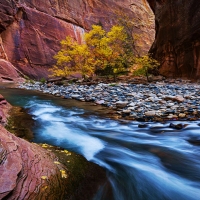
177,42
27,170
30,30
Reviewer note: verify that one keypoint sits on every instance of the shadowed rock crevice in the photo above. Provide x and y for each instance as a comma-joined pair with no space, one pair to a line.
177,45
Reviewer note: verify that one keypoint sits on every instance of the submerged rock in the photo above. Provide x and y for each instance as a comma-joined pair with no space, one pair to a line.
143,125
177,126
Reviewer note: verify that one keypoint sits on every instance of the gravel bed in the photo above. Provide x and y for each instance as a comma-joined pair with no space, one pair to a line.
143,102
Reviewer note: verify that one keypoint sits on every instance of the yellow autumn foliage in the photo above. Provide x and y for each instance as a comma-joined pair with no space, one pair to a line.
144,64
101,50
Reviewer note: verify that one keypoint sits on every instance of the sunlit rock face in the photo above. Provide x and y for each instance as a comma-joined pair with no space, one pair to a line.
177,43
31,30
8,72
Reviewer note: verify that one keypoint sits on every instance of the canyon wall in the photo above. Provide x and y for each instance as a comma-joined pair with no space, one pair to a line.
31,30
27,170
177,42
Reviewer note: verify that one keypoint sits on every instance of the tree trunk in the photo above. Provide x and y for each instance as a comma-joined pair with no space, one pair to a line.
114,77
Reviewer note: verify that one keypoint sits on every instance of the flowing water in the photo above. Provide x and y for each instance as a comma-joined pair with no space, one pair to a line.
152,163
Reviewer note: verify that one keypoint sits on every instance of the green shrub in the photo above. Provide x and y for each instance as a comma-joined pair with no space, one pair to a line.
43,80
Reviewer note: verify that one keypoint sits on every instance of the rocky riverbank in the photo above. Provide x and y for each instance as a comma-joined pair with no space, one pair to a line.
160,101
40,171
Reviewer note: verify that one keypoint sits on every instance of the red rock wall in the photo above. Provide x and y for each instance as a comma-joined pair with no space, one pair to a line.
8,71
27,171
31,29
177,42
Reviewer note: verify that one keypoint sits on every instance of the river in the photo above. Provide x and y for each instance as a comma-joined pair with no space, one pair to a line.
151,163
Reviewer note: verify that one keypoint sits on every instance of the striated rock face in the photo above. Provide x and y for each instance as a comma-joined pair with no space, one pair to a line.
8,71
27,170
31,30
177,42
4,108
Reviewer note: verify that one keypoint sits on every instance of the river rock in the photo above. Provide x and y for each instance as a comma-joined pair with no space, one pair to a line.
179,99
75,96
182,115
170,116
150,113
126,111
177,126
143,125
100,102
170,105
121,104
55,92
153,100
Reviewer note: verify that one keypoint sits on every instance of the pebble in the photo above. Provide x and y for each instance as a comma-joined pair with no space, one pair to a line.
126,111
121,104
182,115
150,113
100,102
144,102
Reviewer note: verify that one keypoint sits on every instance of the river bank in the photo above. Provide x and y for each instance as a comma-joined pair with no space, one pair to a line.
45,171
160,101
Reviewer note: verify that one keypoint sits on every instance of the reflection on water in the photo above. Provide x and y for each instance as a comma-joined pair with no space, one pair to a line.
156,162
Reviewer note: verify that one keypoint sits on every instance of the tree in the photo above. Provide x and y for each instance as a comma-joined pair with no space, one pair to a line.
145,63
121,56
109,49
97,44
72,58
102,50
129,24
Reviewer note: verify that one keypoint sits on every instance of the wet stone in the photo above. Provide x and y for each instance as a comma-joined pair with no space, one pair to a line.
182,115
150,113
121,104
142,125
177,126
